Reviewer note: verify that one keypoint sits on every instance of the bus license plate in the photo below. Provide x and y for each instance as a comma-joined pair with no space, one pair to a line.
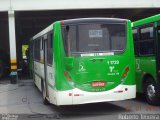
98,84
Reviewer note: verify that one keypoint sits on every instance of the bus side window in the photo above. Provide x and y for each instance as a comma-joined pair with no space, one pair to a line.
37,50
135,39
42,50
147,41
50,49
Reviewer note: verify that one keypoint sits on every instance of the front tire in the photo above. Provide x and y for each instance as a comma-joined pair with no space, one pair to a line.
150,92
45,101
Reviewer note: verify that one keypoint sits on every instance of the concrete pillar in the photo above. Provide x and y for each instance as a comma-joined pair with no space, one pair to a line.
12,44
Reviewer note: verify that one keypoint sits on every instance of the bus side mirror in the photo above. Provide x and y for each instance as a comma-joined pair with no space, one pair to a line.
69,62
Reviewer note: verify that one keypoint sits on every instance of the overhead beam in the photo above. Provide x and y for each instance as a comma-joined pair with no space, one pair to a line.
30,5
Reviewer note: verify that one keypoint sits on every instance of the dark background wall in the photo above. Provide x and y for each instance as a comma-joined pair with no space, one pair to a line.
28,23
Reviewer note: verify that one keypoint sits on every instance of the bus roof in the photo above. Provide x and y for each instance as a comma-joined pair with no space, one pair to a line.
49,28
95,19
146,20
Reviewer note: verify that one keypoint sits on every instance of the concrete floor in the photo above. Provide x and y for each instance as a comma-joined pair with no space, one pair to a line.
25,100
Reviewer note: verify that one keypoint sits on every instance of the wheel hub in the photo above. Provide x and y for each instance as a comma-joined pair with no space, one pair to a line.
151,91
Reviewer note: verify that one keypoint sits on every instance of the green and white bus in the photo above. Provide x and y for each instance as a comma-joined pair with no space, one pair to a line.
146,35
85,60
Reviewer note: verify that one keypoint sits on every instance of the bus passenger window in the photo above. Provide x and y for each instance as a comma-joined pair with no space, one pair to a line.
37,50
147,41
41,51
50,49
135,39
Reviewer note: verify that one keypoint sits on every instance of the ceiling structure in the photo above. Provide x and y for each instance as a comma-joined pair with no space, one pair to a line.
32,16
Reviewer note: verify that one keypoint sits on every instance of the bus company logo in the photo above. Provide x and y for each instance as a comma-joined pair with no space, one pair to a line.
111,68
81,67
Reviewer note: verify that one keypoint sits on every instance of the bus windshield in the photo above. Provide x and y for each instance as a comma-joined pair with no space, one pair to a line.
94,38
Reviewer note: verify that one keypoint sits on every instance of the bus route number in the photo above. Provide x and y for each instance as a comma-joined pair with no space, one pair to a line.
113,62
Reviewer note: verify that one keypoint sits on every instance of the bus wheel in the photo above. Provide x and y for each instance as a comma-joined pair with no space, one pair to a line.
45,101
151,92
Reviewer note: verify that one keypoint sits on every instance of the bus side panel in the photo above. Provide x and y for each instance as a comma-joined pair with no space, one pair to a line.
38,73
132,57
130,47
60,92
51,85
52,95
144,66
61,82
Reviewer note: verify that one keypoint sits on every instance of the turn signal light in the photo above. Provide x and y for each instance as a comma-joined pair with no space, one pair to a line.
126,71
68,78
65,73
125,74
